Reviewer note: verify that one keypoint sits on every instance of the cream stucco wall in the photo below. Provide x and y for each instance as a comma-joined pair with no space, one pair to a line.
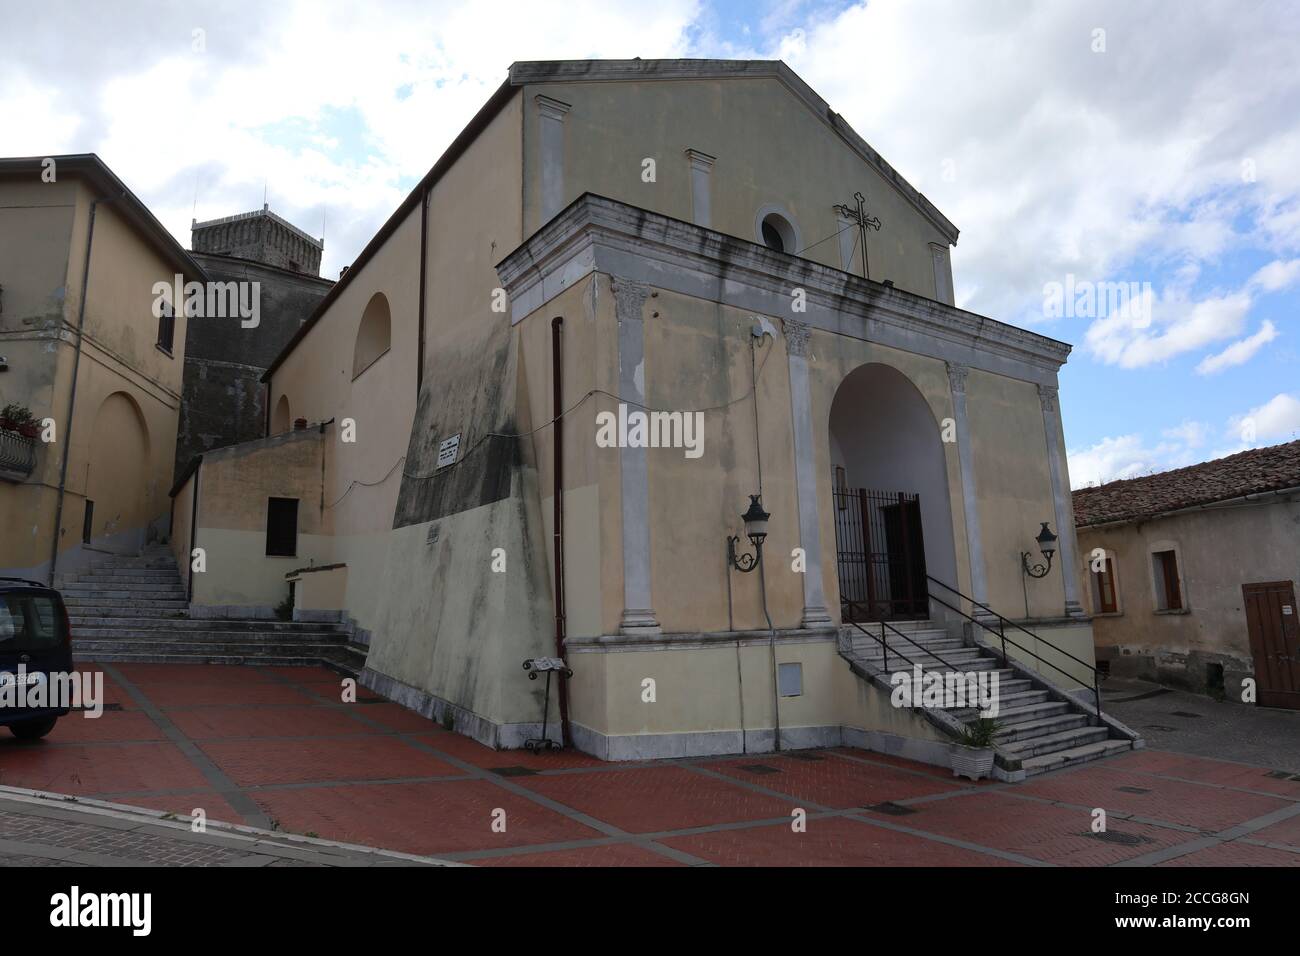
1219,550
126,386
791,159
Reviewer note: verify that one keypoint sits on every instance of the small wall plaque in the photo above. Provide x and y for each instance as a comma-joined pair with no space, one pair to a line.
447,450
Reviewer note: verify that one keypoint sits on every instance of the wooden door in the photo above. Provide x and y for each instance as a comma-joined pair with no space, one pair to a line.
1273,622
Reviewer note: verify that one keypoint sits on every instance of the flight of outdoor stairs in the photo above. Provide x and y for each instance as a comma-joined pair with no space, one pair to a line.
134,608
1041,729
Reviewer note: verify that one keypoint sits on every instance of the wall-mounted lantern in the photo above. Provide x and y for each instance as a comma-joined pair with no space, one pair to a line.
1047,545
756,528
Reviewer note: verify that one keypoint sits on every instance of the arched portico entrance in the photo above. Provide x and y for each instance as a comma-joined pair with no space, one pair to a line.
893,516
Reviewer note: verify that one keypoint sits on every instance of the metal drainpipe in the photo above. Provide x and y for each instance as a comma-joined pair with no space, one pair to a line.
557,410
72,393
194,531
754,339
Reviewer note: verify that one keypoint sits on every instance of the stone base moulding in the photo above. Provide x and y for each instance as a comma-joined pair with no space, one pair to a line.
464,721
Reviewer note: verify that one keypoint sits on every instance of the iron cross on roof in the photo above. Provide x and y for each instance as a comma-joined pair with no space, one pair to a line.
859,216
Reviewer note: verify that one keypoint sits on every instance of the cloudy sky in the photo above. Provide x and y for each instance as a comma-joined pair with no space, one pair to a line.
1154,144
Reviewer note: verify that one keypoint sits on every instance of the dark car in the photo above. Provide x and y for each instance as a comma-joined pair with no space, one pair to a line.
35,645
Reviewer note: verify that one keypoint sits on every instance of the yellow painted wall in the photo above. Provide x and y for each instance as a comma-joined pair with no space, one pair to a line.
791,157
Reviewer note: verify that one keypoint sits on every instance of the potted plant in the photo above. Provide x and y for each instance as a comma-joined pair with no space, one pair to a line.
972,755
19,418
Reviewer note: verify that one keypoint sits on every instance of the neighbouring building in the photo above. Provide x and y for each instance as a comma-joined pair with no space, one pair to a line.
607,238
82,349
1190,574
224,400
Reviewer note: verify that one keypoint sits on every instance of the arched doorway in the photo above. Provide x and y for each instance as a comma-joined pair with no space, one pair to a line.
117,473
280,421
893,515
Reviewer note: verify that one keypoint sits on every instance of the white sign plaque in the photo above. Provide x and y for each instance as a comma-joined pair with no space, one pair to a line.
447,450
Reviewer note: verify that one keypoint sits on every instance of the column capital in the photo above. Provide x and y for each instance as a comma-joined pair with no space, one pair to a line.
797,335
1047,397
629,298
957,377
551,108
701,161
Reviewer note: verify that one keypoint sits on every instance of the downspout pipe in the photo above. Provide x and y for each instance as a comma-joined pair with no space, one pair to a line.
557,523
194,532
72,392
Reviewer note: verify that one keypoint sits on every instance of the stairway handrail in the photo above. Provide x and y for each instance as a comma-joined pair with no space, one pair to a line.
1001,632
885,644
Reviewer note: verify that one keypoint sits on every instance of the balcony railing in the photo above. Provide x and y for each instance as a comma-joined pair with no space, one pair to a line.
17,455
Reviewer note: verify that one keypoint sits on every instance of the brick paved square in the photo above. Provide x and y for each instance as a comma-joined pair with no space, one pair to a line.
471,751
98,768
261,762
619,854
216,723
837,782
426,818
120,725
1189,804
1040,831
827,842
1236,854
658,798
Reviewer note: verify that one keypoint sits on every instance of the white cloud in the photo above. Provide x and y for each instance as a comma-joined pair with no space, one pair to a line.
1128,456
1239,352
1176,326
1277,275
1277,420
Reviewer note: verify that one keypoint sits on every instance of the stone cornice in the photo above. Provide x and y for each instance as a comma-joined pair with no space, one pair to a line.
586,71
596,234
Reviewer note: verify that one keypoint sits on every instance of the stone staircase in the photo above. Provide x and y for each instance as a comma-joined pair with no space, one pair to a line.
134,608
1042,728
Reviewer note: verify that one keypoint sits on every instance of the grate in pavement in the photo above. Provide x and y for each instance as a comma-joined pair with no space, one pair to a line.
1123,839
800,755
1183,713
1132,789
891,808
514,771
1160,727
759,768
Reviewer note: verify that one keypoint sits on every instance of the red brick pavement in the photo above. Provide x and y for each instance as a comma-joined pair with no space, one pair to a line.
281,740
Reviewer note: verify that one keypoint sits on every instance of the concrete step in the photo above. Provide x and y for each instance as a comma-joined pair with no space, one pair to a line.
95,574
90,649
111,657
90,600
126,588
83,624
1040,728
922,654
1010,716
213,634
160,609
1075,755
1005,700
1050,743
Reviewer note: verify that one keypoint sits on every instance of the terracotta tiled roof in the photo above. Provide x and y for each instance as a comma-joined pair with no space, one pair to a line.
1248,472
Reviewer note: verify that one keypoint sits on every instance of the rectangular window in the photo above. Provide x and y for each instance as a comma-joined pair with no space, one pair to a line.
1169,595
88,522
1106,603
29,622
282,527
166,328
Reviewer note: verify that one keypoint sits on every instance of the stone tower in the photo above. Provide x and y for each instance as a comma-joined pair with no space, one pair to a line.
262,237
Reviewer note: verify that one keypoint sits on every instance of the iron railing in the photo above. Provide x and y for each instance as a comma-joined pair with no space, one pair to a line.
883,640
17,455
1001,632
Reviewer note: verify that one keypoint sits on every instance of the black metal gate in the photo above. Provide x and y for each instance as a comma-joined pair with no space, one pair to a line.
880,555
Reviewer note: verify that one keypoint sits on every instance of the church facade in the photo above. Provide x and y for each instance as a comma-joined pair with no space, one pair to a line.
628,302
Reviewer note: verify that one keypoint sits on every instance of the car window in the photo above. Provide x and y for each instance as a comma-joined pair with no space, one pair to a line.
29,622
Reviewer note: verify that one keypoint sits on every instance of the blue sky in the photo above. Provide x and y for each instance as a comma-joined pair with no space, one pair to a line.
1103,140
